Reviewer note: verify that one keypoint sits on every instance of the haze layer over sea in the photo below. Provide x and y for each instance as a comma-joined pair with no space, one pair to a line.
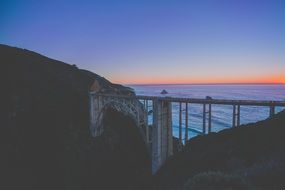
221,114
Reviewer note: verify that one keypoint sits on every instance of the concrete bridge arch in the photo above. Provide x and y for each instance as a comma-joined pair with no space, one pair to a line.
125,106
161,144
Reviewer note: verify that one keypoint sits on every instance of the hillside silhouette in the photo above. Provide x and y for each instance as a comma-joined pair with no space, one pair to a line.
45,141
44,133
250,156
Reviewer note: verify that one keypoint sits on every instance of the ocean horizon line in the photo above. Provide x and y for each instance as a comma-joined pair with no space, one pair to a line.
148,84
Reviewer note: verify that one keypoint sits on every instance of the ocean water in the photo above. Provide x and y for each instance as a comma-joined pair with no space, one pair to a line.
221,114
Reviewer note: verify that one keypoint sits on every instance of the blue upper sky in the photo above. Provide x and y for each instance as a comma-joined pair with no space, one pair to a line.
155,41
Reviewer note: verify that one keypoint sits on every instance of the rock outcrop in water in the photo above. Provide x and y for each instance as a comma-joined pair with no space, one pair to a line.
163,92
44,133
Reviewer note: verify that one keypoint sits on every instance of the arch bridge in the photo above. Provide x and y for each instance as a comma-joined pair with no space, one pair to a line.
158,136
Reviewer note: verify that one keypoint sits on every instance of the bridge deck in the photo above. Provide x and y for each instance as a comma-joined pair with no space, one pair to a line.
207,107
201,100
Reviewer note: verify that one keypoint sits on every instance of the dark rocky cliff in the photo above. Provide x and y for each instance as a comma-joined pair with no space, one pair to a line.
44,134
247,157
45,141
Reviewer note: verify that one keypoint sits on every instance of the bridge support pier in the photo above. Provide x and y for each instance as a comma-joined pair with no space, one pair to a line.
95,108
236,115
272,111
162,140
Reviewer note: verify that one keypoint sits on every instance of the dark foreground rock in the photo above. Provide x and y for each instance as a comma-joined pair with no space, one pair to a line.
44,131
247,157
45,141
123,161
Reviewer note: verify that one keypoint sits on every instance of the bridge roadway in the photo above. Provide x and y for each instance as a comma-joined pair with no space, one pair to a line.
158,136
201,100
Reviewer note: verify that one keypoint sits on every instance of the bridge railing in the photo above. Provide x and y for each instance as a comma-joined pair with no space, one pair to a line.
183,103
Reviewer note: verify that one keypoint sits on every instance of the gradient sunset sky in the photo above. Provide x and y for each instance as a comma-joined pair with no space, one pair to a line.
155,41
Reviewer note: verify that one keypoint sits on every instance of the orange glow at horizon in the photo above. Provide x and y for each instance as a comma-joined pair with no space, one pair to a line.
212,80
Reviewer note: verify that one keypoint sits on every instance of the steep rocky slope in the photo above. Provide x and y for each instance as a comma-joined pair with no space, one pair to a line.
44,134
45,141
247,157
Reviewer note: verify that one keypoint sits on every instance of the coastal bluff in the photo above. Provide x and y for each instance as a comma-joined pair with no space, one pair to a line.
45,139
45,135
247,157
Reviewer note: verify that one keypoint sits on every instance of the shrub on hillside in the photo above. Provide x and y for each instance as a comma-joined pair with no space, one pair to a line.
268,173
215,180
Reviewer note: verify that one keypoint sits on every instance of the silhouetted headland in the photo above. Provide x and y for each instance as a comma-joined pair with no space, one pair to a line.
46,142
